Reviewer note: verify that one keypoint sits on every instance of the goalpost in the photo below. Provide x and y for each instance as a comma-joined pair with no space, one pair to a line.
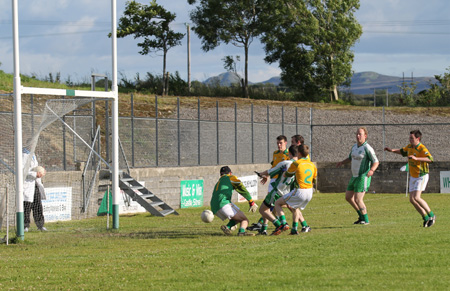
19,90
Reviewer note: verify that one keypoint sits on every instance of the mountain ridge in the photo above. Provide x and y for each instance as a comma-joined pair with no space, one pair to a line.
362,83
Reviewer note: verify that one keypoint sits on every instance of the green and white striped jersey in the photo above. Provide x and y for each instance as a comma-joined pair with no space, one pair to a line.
362,158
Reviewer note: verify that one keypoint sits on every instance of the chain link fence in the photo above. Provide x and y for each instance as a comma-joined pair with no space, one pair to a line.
173,132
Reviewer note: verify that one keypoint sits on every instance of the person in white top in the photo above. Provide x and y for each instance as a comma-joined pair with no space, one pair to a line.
364,163
33,192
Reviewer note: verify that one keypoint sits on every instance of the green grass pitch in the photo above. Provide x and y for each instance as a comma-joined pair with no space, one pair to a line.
183,253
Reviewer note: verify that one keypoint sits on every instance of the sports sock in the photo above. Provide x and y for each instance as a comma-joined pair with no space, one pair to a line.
283,219
261,221
366,218
360,215
241,230
431,214
276,222
426,217
231,223
264,227
304,224
294,225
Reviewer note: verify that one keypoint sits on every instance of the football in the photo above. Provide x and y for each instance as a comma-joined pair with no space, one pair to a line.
207,216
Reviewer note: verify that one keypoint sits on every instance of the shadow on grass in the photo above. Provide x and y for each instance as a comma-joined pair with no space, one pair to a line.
168,234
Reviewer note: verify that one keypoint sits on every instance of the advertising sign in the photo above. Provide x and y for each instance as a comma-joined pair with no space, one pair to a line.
251,183
191,193
445,181
58,205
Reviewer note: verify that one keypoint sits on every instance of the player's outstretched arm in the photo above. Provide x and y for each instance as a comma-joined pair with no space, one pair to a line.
395,151
346,161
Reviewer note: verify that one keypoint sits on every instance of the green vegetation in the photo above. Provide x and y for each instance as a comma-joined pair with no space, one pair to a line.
233,22
7,83
312,41
152,23
183,253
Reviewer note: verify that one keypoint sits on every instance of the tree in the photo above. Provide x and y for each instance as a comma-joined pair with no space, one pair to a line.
438,94
233,21
150,22
312,41
407,93
230,63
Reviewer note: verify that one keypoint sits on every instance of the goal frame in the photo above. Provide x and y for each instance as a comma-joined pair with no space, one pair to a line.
19,90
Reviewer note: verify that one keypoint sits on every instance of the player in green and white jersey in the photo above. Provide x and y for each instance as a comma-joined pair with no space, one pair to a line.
364,163
278,156
222,206
279,187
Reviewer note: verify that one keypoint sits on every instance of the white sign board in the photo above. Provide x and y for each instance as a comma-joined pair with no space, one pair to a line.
58,205
251,184
445,181
134,207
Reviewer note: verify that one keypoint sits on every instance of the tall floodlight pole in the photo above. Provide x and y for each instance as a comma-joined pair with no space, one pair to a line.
17,125
115,119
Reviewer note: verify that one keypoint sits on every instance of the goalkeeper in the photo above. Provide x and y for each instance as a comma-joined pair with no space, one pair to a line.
279,187
222,206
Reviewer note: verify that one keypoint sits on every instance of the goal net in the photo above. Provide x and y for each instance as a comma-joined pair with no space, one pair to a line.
57,132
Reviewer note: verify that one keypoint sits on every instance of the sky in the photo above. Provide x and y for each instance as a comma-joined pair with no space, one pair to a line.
70,37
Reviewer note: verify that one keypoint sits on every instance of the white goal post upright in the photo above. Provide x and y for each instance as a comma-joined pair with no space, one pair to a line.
17,125
115,118
19,90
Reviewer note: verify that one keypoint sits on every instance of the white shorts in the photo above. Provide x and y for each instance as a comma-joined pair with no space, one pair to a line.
418,184
228,211
298,198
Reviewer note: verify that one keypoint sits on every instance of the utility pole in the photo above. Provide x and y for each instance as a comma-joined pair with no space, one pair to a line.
387,97
374,97
188,57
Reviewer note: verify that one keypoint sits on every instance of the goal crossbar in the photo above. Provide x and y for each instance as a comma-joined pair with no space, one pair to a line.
68,92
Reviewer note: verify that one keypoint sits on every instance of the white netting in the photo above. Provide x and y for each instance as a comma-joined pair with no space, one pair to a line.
56,145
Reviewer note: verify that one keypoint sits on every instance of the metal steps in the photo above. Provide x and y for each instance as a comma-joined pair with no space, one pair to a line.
144,197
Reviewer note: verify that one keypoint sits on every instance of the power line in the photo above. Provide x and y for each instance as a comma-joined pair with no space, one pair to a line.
392,23
57,22
407,32
58,33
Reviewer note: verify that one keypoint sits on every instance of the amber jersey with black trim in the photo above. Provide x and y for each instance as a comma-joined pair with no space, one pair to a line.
279,156
417,168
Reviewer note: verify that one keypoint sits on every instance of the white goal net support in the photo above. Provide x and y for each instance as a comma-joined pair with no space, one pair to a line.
54,110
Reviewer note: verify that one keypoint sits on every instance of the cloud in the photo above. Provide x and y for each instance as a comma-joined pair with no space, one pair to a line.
71,37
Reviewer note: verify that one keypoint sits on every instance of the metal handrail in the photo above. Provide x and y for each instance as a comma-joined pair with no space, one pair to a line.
88,192
126,198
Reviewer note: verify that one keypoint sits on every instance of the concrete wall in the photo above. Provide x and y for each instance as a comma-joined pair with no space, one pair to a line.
387,178
165,182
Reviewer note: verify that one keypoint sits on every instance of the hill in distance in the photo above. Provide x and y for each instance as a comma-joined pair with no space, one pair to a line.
363,83
224,79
